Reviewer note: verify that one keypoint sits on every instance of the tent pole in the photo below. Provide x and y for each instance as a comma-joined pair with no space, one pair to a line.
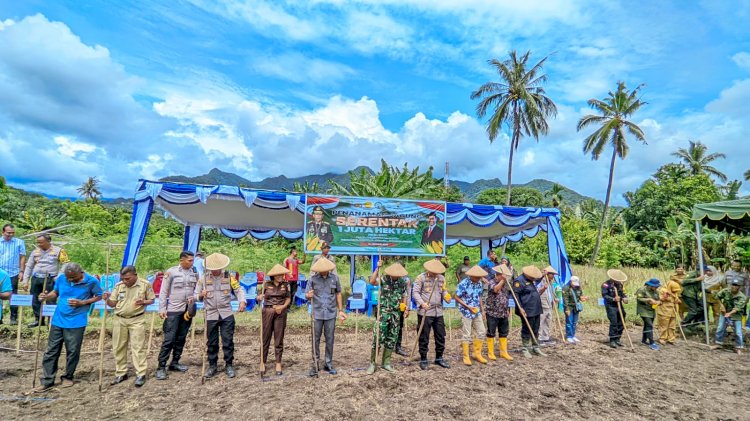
700,269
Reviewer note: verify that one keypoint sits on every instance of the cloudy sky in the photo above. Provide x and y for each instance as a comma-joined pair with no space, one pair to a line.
145,89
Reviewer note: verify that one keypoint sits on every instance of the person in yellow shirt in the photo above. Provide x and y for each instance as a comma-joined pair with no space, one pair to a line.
667,311
129,298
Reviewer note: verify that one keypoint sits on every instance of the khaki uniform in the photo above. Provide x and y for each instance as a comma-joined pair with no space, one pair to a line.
669,295
219,315
682,306
129,326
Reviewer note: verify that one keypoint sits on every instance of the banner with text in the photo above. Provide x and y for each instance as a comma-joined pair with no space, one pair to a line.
365,225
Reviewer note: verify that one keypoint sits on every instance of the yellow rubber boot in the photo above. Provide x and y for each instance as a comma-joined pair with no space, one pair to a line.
467,360
504,349
491,349
478,351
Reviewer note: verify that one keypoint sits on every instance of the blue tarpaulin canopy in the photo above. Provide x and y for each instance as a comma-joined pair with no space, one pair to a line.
262,214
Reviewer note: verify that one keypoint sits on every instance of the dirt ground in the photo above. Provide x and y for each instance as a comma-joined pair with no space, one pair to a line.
584,381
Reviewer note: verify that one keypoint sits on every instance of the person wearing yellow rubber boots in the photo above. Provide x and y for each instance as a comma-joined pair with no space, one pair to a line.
498,312
469,299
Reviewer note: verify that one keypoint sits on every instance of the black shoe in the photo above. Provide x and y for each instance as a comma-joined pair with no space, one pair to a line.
612,344
313,372
442,363
161,373
210,372
119,379
618,343
230,371
13,321
401,351
329,369
140,381
279,373
423,364
32,325
178,367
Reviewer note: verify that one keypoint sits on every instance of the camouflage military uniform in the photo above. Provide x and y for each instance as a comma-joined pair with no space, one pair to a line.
393,292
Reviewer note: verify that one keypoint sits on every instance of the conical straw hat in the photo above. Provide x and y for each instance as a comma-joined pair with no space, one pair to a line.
216,261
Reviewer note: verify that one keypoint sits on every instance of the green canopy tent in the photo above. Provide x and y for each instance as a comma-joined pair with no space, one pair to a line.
732,216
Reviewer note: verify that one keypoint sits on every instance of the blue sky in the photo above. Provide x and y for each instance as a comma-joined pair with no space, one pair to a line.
124,90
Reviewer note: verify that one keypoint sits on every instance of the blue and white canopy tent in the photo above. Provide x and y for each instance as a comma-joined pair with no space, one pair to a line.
262,214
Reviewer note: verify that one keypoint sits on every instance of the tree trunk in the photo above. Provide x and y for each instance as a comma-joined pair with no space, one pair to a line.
606,207
513,144
510,174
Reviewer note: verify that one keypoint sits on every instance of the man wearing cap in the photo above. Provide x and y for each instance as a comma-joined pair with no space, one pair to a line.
529,306
614,296
215,291
429,293
548,300
669,295
393,299
461,270
275,298
324,290
648,299
733,303
129,298
498,312
324,254
572,298
45,262
692,297
468,297
319,228
175,296
76,291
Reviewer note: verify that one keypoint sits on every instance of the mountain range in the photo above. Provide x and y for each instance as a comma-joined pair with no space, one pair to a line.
469,189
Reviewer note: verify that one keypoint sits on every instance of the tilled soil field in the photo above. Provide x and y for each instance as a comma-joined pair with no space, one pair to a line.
584,381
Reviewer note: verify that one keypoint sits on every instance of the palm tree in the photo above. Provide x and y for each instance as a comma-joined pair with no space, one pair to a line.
307,187
698,161
732,190
555,195
613,125
90,189
389,182
747,175
518,101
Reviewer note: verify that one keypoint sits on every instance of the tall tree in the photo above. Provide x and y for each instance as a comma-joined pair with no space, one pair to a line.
90,189
613,125
699,161
555,195
518,101
747,175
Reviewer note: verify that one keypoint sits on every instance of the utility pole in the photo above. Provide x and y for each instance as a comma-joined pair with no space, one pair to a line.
446,181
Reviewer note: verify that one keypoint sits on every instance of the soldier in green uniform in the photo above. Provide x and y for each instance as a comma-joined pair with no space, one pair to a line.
648,298
691,296
733,303
393,298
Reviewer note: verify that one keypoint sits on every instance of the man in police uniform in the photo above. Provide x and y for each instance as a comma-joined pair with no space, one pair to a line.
429,293
318,227
215,290
175,296
42,267
529,306
129,298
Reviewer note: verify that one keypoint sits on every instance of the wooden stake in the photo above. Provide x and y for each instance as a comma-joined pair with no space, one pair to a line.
262,342
18,331
377,317
102,330
679,322
622,317
557,316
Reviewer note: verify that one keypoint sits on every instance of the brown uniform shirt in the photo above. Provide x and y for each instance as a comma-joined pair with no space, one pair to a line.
275,295
126,297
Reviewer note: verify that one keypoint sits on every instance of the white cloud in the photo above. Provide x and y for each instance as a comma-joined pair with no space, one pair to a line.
298,68
71,148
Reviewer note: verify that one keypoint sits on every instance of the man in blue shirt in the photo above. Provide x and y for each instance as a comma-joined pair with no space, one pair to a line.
6,289
12,260
76,291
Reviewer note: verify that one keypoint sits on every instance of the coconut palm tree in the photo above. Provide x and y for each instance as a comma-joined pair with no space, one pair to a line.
555,195
696,158
518,101
731,190
613,125
90,189
747,175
